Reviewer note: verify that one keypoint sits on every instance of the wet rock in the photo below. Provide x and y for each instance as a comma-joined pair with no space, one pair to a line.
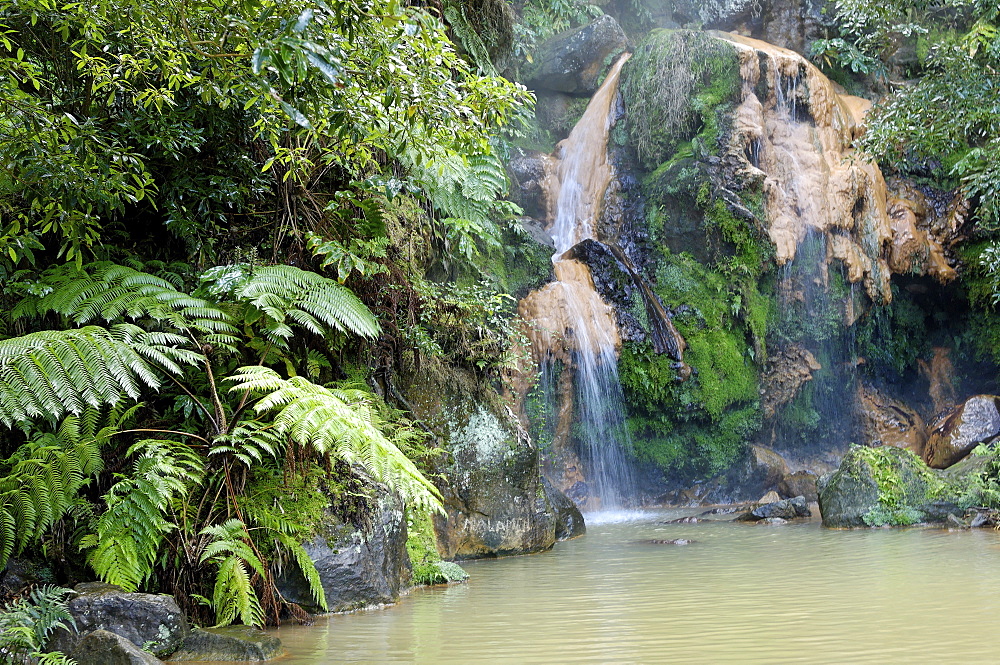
357,566
528,172
494,497
102,647
558,112
889,422
724,510
146,620
762,469
230,643
773,520
569,521
800,483
849,497
770,497
574,61
785,509
955,434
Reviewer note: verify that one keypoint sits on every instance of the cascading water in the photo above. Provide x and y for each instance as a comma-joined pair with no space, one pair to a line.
572,325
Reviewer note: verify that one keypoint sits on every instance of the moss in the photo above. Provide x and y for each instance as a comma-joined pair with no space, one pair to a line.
893,337
676,88
428,566
299,500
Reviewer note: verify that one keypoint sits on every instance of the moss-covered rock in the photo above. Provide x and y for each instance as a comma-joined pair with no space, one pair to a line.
880,486
242,644
495,502
574,61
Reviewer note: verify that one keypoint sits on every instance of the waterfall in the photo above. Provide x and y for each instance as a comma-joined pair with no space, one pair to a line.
572,325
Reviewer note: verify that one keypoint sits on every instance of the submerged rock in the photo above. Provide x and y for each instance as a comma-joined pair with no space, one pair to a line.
955,434
674,541
574,61
785,509
229,643
569,520
357,566
149,621
102,647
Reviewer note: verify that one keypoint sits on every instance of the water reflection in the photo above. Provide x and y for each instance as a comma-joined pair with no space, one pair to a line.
738,594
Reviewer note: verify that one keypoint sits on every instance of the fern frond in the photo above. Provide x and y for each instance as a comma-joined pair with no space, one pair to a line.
286,295
250,443
339,422
108,292
130,531
234,596
45,375
306,566
26,625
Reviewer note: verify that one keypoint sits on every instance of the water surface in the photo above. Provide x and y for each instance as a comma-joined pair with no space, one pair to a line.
741,593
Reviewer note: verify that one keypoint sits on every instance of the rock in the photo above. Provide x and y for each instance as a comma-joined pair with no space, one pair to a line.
493,493
683,520
980,519
761,471
675,541
558,112
357,567
770,497
773,520
146,620
569,521
955,434
102,647
800,483
574,61
785,509
230,643
723,510
528,171
850,496
889,422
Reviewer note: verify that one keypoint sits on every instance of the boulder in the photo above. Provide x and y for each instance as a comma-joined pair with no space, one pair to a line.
574,61
852,496
102,647
230,643
569,521
762,469
494,498
889,422
800,483
357,566
148,621
955,434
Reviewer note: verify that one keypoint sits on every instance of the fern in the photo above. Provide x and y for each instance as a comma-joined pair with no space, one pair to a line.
46,375
234,596
280,297
249,443
46,474
340,422
111,293
129,533
26,625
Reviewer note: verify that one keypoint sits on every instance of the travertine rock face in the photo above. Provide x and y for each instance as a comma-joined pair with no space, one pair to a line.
788,369
889,422
793,133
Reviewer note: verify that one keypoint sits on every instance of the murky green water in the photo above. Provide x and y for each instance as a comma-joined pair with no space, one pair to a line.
740,594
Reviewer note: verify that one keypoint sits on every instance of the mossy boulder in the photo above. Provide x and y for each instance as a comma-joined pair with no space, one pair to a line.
151,621
881,486
574,61
494,499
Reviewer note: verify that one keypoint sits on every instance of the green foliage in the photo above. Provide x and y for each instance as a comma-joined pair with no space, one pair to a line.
26,625
676,86
540,19
342,422
130,532
904,483
41,481
894,336
428,567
